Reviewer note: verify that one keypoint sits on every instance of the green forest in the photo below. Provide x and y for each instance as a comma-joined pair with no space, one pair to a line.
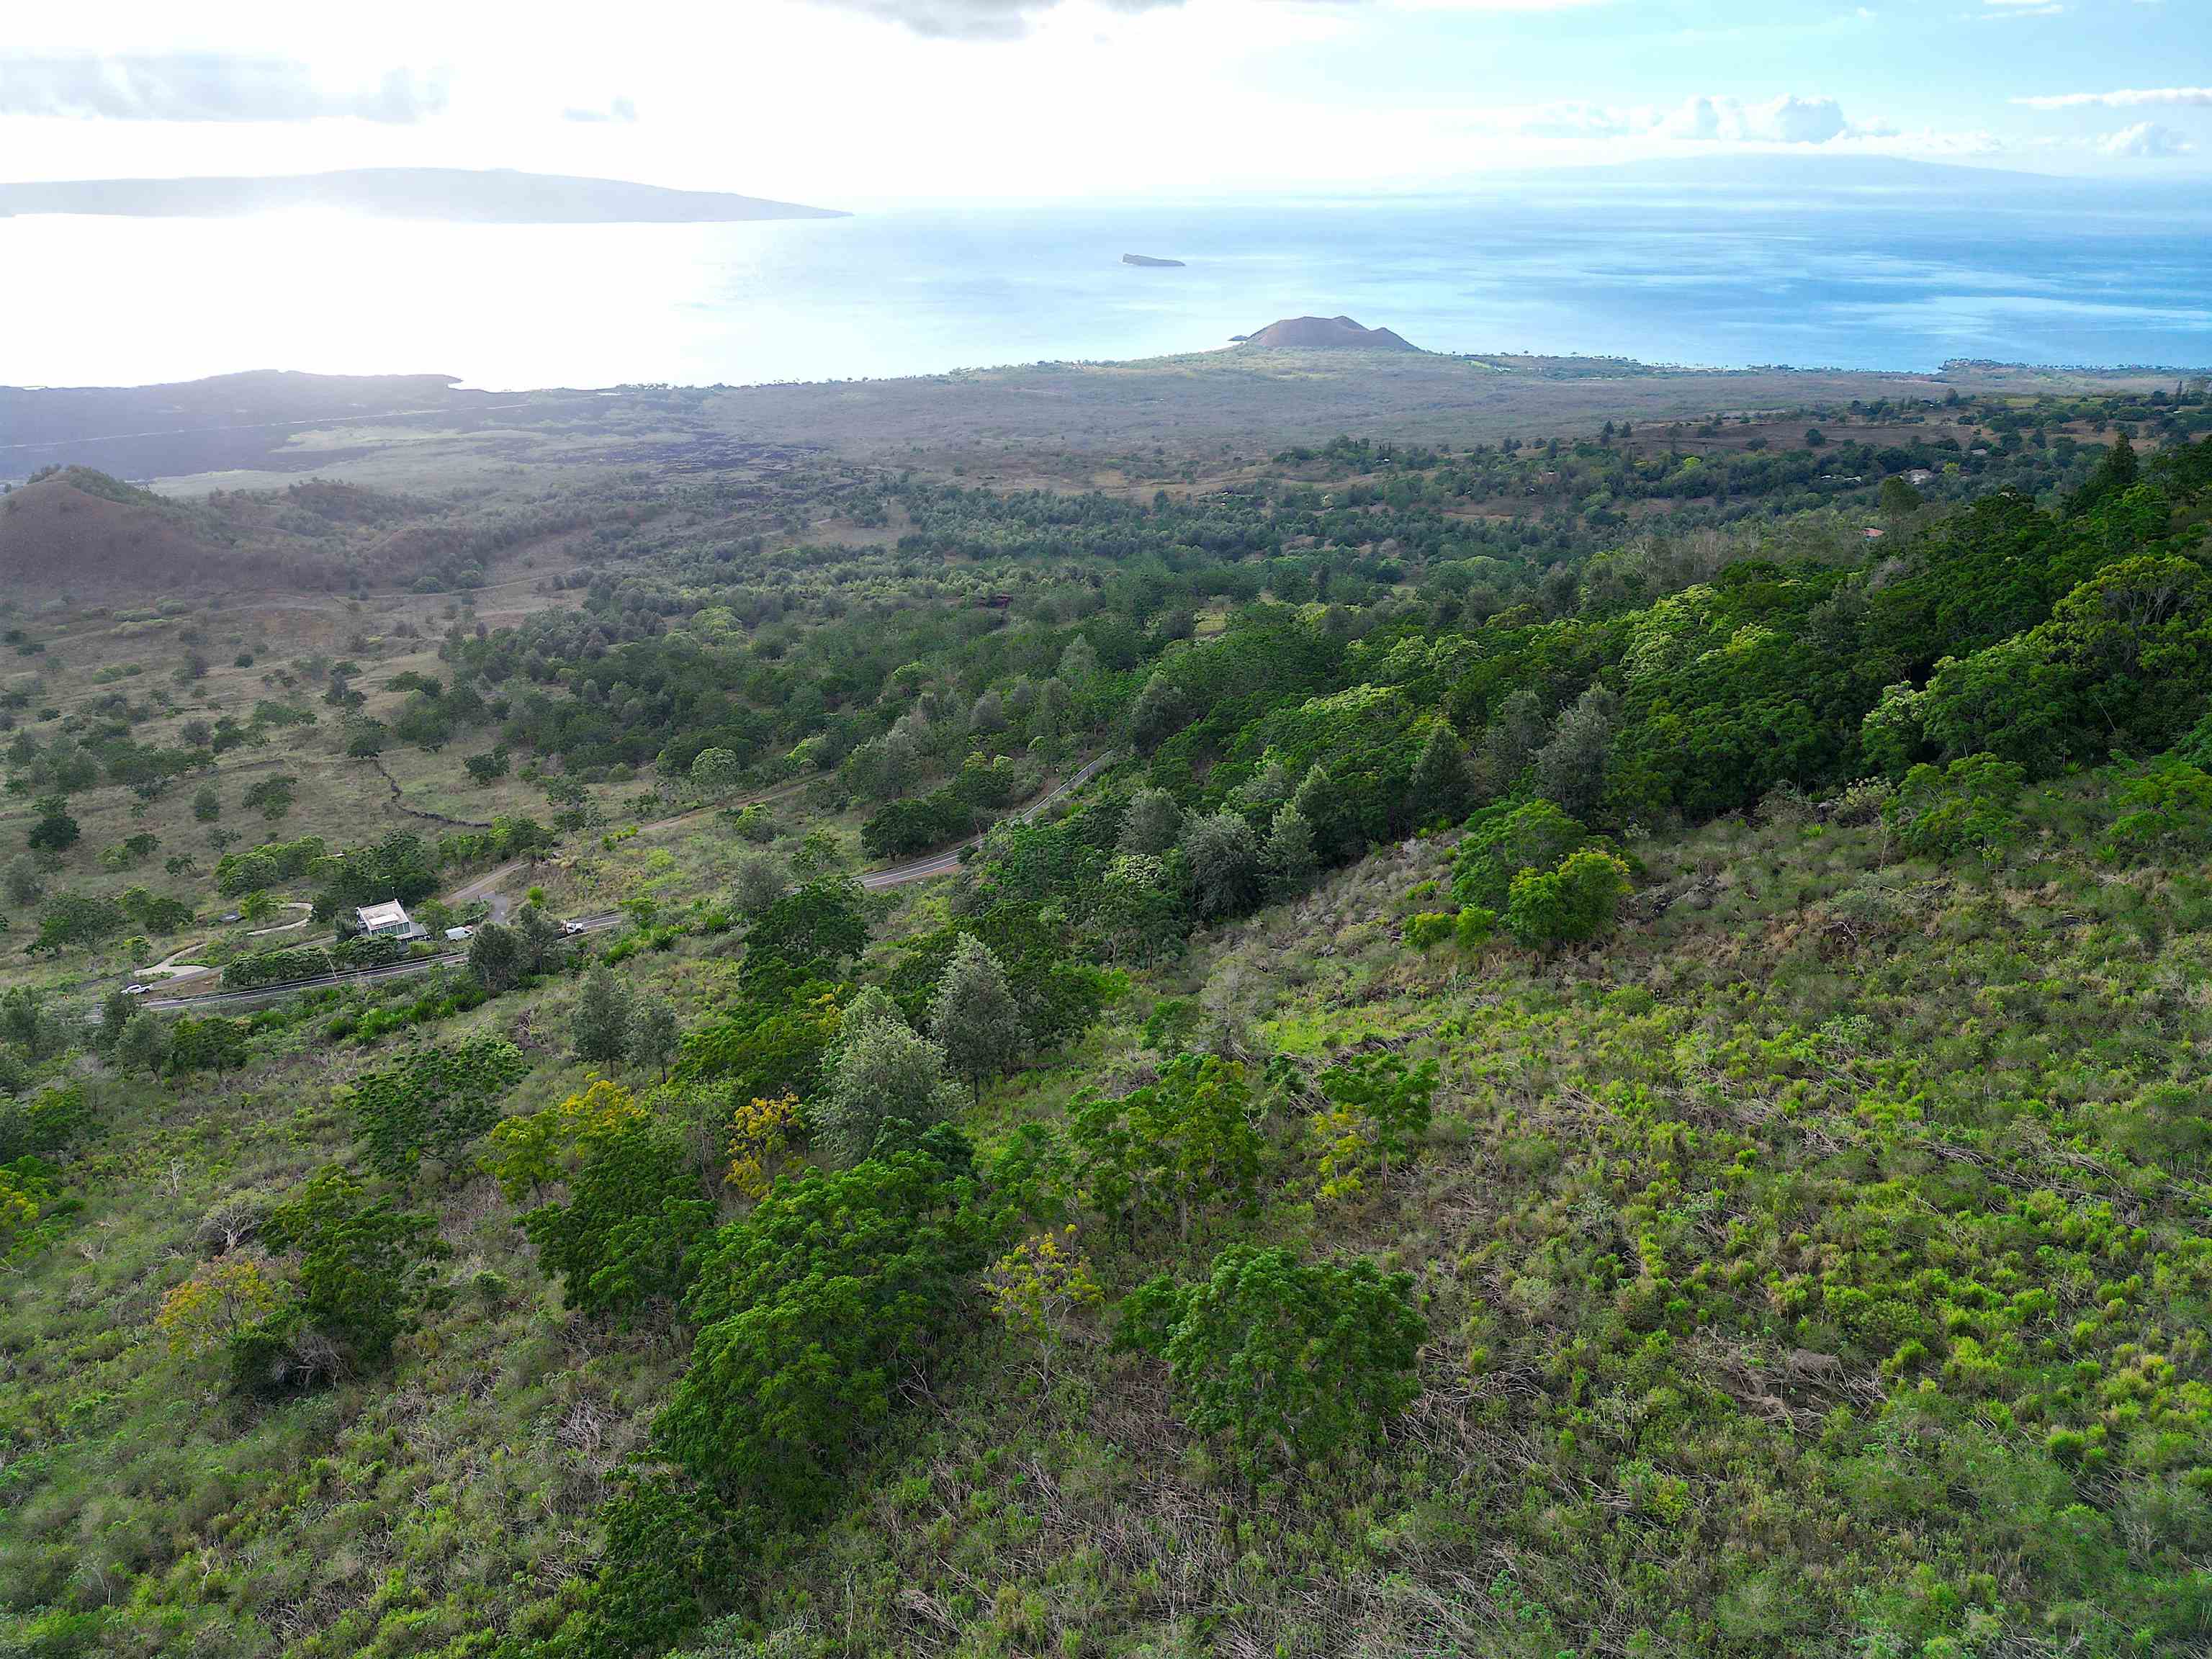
1611,1061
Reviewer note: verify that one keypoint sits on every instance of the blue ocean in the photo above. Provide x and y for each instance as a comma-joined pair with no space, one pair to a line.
1899,274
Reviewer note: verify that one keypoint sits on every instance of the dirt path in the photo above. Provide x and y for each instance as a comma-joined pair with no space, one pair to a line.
168,968
482,886
736,805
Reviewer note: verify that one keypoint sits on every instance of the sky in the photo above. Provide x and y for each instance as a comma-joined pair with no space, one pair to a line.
867,103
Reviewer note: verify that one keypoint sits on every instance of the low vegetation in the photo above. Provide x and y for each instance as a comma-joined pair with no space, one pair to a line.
1611,1064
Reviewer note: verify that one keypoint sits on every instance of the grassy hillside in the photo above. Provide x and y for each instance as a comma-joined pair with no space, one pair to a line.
1621,1075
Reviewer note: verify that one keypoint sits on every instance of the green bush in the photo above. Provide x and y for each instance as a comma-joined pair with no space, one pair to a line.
1504,841
1428,928
1570,905
435,1103
1968,806
1287,1361
1474,926
811,1309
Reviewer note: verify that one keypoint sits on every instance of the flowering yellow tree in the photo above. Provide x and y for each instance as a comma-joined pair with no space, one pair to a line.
1376,1109
1040,1288
1344,1139
223,1296
23,1201
761,1135
529,1152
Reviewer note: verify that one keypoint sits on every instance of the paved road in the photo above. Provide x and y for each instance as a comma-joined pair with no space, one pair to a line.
946,862
898,875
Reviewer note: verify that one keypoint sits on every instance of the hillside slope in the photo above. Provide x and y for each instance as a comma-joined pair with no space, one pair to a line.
78,532
81,532
1653,1107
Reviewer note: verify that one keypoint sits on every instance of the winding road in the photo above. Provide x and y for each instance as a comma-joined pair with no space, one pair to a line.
946,862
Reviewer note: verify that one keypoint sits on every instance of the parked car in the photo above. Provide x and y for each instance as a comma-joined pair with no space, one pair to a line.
569,929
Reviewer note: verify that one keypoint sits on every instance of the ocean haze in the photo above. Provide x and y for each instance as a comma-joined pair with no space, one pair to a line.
447,195
1892,268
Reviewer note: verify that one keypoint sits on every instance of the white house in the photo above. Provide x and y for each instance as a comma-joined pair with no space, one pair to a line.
389,921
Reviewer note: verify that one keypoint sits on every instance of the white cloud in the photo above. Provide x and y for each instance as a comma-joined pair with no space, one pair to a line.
624,110
1788,119
2131,98
973,19
1995,8
1491,5
2147,141
206,87
1785,120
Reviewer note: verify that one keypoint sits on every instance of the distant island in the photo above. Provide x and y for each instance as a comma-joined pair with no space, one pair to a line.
1325,334
452,195
1150,263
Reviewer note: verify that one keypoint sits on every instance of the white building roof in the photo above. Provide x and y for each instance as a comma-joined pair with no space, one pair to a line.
373,916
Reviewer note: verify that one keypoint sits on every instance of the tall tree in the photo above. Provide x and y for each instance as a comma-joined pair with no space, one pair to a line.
1321,801
600,1026
1443,786
974,1015
1153,823
1571,769
1513,738
759,884
1160,710
881,1072
715,772
495,957
654,1031
1222,856
1288,859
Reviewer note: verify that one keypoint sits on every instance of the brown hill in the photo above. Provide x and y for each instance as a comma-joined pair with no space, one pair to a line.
74,530
1325,334
79,530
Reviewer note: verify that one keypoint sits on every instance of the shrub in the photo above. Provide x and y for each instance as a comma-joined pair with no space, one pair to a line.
1428,929
366,1273
1186,1143
635,1209
435,1103
1503,841
1967,807
1288,1362
2168,811
810,1311
1570,905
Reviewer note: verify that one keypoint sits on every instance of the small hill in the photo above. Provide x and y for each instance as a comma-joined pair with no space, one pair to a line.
79,530
1325,334
76,531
